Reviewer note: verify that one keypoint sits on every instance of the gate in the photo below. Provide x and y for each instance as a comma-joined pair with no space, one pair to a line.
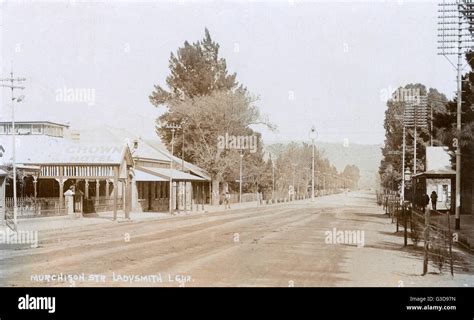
9,219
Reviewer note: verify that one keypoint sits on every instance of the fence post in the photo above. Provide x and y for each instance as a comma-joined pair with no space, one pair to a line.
405,232
450,245
427,235
397,213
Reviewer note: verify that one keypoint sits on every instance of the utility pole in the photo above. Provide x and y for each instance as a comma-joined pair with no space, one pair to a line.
173,128
182,149
414,144
313,136
431,125
402,195
415,115
240,175
273,178
454,21
12,80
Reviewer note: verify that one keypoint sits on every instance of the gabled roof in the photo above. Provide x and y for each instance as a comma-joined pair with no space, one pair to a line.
171,173
142,176
187,165
106,134
148,149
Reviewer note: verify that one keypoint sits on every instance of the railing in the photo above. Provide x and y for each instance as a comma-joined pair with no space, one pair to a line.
43,207
103,204
35,207
391,206
437,237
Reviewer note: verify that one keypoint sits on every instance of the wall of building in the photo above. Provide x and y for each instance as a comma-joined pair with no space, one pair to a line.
443,188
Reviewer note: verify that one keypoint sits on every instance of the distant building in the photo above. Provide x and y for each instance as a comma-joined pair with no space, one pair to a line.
438,177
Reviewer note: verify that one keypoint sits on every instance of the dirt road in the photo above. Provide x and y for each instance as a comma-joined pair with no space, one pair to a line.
277,245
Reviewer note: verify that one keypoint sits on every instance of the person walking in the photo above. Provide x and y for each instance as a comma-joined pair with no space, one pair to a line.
227,199
434,199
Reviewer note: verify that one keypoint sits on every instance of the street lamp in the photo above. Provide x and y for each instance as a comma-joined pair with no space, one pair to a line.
407,174
15,201
313,135
173,128
406,178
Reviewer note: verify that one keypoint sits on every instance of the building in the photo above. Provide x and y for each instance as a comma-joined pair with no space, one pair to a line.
438,177
154,167
112,169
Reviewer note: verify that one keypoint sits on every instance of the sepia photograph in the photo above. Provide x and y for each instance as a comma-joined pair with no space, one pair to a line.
239,143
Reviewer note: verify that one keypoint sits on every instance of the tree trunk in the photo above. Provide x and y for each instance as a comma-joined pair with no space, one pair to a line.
215,191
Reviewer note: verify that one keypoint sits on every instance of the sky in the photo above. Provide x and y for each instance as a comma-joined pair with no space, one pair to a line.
322,63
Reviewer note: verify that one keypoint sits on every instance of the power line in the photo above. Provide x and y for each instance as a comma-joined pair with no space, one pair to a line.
456,18
13,86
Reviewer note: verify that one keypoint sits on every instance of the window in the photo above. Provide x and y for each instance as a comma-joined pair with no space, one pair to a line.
36,129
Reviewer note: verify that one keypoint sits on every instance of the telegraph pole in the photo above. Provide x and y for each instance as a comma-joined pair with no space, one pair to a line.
402,196
240,175
313,136
454,21
173,128
415,115
12,85
273,178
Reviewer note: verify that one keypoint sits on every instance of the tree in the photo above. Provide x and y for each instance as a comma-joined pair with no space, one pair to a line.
293,164
208,102
208,118
390,169
351,173
195,70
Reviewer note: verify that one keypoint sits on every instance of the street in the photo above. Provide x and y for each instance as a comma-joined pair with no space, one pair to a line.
272,245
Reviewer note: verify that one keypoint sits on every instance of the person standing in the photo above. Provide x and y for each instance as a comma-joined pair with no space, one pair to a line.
425,201
434,199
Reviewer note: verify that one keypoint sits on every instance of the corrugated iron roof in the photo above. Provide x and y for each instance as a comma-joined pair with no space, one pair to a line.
171,173
48,150
143,176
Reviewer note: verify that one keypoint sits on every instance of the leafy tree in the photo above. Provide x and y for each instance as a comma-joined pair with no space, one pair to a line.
208,118
293,163
208,102
390,170
352,174
195,70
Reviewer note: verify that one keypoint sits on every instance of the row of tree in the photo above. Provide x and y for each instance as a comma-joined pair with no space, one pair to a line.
207,102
